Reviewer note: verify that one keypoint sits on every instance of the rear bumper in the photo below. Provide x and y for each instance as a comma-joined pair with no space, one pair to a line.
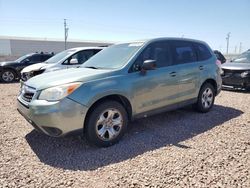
54,118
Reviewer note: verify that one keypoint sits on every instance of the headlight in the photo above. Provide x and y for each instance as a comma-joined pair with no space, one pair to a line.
58,92
245,74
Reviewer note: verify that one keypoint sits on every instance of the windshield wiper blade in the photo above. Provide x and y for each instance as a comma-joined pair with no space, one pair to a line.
91,67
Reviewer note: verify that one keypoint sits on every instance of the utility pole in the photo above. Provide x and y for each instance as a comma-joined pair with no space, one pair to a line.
240,47
227,38
235,50
66,30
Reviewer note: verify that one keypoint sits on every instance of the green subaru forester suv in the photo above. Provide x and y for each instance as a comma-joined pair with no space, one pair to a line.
122,82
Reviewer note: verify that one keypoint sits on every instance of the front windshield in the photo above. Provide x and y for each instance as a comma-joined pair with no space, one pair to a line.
243,58
113,57
20,59
60,56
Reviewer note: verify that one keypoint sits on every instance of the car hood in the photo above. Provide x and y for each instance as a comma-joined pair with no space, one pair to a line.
236,66
60,77
7,63
35,67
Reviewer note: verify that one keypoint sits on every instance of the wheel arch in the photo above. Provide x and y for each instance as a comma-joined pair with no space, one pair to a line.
212,82
113,97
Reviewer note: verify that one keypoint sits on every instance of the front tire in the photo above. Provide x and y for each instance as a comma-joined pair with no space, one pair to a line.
206,98
8,76
106,124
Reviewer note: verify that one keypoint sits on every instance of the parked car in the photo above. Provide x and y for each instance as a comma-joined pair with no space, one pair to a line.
71,58
11,70
220,56
121,83
236,74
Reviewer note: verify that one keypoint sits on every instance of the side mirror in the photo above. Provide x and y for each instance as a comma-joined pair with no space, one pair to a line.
73,61
149,64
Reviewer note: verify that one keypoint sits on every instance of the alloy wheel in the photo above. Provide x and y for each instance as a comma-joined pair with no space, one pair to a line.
8,76
109,124
207,98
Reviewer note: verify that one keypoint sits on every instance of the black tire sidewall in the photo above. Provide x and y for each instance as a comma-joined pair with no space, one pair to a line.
199,105
91,134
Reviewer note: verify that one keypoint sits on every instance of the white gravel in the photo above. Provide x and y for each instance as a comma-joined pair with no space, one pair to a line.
175,149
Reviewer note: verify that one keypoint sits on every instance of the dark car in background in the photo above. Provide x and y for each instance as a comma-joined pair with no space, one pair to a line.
236,73
11,70
220,56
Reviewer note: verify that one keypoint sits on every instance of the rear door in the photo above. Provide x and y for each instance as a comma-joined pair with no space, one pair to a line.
186,62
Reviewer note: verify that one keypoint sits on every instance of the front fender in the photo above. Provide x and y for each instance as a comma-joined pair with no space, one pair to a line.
92,91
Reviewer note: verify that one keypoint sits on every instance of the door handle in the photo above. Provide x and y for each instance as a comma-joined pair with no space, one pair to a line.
201,67
173,74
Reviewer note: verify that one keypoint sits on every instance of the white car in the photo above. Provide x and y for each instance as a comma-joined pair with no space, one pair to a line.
71,58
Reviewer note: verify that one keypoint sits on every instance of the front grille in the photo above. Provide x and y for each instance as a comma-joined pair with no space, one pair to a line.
27,93
232,73
27,96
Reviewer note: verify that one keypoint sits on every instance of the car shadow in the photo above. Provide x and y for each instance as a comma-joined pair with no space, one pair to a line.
143,135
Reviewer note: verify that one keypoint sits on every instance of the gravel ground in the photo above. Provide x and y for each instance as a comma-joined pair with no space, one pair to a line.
175,149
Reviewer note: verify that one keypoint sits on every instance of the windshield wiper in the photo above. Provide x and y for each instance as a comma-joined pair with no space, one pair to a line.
91,67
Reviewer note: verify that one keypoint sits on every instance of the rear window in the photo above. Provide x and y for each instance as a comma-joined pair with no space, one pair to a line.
35,58
46,56
203,52
184,52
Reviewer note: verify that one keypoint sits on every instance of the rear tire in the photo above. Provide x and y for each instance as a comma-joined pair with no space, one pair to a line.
8,76
205,98
106,124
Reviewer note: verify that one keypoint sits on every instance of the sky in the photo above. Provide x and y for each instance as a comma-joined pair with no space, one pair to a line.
118,21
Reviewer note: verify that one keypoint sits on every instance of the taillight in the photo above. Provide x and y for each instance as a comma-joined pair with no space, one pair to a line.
218,63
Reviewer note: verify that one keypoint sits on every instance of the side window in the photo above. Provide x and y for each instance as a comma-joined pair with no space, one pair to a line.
45,57
35,59
80,57
158,51
96,51
183,52
203,52
88,54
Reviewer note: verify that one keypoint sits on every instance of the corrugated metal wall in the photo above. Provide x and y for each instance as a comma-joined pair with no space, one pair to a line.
16,47
5,48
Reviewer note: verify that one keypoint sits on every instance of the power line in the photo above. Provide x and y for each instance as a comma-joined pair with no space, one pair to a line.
240,48
227,38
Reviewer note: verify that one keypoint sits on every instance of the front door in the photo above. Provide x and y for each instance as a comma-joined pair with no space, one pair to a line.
156,88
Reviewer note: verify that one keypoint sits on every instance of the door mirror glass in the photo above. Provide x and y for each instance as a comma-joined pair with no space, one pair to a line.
149,64
73,61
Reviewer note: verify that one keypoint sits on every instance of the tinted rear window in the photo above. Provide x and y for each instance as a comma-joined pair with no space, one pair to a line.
35,58
203,52
46,56
183,52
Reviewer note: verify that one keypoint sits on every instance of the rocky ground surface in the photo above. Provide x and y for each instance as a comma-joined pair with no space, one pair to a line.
182,148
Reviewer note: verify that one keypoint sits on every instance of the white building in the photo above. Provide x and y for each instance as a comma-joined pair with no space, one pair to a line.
18,46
